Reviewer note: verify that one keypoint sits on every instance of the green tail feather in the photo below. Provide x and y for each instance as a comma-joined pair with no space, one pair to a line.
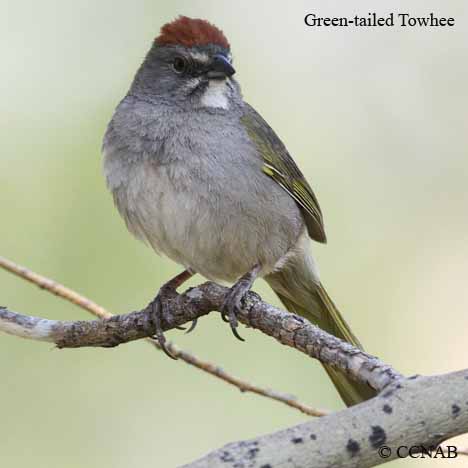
328,318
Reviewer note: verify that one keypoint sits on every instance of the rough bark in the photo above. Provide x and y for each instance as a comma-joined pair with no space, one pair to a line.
416,412
287,328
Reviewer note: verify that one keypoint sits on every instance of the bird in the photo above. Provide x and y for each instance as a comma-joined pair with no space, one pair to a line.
200,177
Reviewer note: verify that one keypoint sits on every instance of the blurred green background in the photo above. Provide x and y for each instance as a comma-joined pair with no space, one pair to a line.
376,118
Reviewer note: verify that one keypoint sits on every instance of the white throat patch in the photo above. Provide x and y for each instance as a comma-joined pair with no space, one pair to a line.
216,95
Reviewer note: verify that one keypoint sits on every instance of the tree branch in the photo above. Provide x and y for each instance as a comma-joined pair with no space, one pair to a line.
416,412
179,309
206,366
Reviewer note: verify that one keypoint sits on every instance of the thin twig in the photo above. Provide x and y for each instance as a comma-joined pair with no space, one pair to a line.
206,366
242,385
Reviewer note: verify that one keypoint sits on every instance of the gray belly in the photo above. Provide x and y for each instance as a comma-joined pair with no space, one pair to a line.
218,226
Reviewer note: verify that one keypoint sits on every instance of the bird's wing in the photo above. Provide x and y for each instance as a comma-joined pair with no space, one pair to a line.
280,166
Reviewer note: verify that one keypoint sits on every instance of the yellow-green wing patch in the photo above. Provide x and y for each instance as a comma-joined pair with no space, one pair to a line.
280,166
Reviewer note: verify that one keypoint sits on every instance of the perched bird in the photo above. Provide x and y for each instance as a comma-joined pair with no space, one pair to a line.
199,176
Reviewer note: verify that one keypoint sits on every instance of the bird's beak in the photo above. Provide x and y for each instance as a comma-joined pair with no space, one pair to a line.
220,68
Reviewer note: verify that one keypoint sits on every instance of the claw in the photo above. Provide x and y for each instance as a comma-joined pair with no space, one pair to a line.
163,346
229,312
156,307
233,300
192,326
236,333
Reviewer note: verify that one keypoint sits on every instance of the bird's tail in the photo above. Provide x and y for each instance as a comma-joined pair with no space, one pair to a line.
310,300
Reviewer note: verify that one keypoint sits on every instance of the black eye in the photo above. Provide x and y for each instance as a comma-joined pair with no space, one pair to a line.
179,64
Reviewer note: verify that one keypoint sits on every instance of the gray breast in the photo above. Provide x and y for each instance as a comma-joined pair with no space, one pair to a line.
193,189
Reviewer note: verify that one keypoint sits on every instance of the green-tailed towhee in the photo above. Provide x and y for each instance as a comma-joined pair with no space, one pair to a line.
200,177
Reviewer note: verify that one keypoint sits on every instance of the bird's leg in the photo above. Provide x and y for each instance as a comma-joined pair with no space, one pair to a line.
233,300
157,306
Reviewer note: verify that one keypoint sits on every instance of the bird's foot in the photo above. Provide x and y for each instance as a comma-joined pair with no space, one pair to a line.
157,307
233,301
157,312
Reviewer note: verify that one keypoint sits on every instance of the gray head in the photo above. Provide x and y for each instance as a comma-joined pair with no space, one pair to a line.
189,65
